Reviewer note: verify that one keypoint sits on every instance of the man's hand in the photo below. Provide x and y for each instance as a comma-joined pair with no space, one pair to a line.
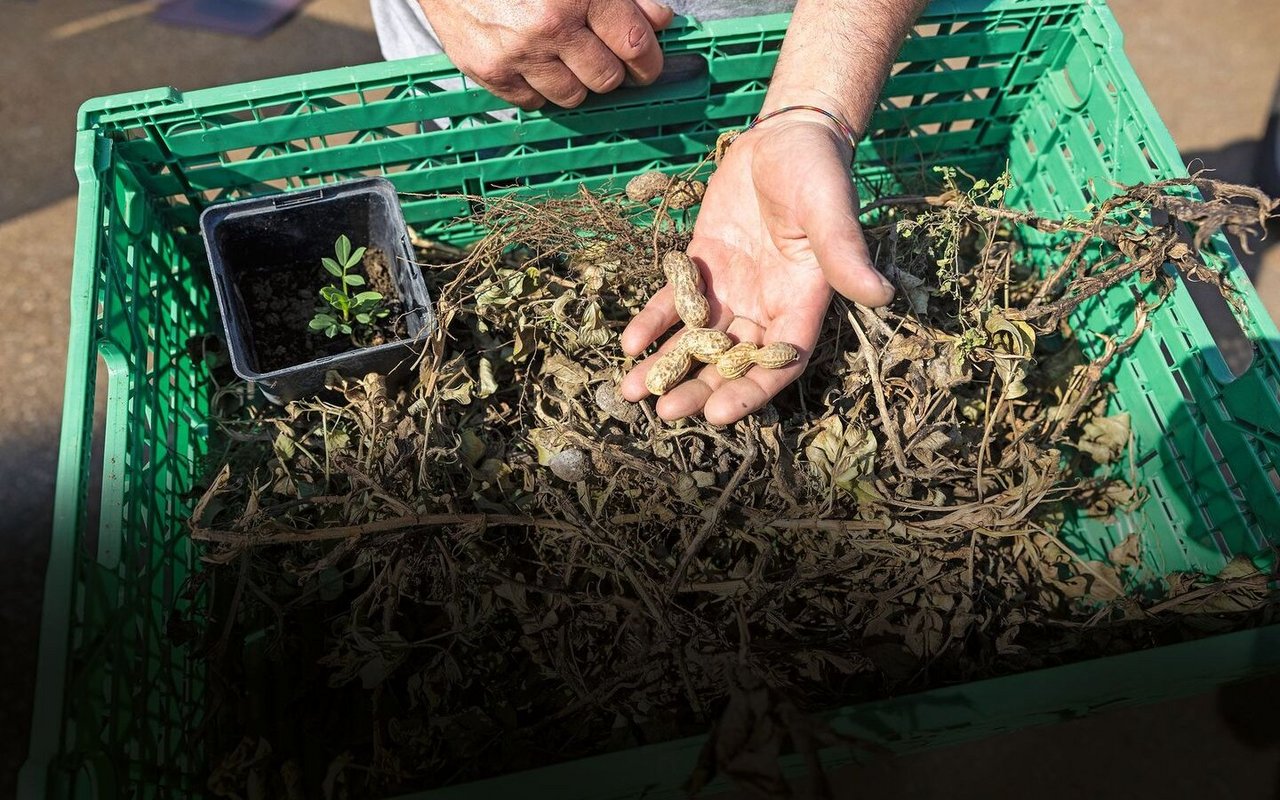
529,52
778,230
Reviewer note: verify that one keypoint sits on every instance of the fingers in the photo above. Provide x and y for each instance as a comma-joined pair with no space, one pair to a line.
689,397
556,82
659,15
841,250
724,402
655,319
516,91
593,63
632,387
628,32
734,400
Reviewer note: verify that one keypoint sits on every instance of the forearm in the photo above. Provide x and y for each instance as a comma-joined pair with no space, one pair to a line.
838,53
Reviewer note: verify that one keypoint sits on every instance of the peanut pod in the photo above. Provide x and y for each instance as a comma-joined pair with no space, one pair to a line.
668,370
646,186
735,363
705,344
684,278
776,355
685,193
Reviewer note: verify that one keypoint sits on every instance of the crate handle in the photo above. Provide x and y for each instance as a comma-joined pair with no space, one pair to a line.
684,76
676,68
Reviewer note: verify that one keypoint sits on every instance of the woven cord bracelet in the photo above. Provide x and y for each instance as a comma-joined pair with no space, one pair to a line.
848,132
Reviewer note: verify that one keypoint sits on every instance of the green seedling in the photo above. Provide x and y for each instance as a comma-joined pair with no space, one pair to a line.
343,309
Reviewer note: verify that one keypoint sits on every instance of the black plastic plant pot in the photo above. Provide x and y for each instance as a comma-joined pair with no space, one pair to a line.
266,258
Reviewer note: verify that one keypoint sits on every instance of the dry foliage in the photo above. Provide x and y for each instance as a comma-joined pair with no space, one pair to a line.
503,564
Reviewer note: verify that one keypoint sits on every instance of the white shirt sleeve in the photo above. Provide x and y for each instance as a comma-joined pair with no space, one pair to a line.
404,32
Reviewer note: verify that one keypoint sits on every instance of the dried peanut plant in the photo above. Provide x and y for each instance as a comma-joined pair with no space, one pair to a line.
502,564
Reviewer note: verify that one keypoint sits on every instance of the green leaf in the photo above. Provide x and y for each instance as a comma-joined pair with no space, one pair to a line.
355,257
354,280
342,248
333,267
364,319
345,328
368,297
331,331
321,322
331,295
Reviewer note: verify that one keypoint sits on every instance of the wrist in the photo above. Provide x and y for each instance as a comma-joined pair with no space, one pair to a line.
809,117
781,96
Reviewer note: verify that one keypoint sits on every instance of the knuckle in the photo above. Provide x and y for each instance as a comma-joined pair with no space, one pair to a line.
644,77
610,77
552,24
530,101
490,70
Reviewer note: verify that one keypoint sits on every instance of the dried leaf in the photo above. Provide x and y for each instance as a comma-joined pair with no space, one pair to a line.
1105,439
593,332
570,378
1013,342
843,454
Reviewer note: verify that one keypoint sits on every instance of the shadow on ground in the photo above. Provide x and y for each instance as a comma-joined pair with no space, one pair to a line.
82,49
28,469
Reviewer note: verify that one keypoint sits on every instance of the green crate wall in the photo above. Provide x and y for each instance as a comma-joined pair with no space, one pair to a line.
1040,87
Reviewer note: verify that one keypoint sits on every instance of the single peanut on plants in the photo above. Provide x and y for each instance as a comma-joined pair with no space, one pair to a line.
683,276
646,186
668,370
610,400
704,344
685,193
739,359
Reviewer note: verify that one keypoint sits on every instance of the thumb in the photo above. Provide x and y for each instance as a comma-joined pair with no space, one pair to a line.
659,15
836,238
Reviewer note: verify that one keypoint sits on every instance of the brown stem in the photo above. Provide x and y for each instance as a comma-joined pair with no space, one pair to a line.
833,525
873,373
748,458
382,526
1063,306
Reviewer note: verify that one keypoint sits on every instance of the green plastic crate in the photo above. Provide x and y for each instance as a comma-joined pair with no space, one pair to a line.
1039,86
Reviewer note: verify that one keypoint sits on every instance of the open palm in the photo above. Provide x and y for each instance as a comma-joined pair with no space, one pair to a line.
777,234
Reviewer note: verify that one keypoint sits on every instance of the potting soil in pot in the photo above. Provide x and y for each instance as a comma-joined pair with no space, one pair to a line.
281,300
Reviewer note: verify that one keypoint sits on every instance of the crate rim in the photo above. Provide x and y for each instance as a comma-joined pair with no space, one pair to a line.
161,100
